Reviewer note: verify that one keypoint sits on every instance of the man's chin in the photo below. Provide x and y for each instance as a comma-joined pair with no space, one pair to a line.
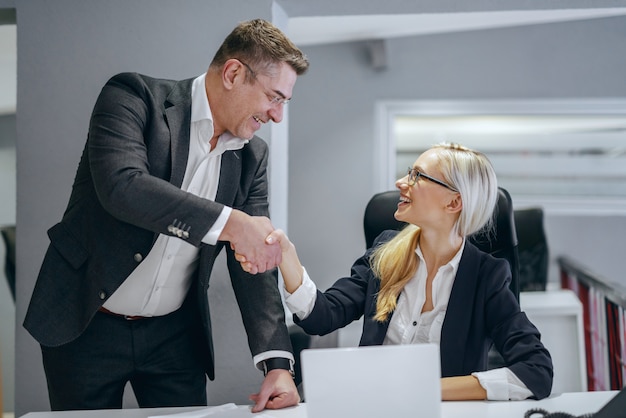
244,135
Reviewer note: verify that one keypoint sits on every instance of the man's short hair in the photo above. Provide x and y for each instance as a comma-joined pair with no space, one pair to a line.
261,45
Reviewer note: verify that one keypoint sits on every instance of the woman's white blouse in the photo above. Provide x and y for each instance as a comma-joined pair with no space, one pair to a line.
409,325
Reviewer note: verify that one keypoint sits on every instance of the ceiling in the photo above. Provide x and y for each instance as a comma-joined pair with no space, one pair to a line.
332,29
317,30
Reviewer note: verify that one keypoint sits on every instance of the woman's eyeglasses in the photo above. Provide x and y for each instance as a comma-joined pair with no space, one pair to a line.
414,174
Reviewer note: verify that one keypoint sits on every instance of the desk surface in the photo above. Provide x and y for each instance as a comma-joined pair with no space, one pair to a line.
553,302
577,403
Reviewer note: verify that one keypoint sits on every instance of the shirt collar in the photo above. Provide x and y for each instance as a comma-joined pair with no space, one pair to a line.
200,109
201,113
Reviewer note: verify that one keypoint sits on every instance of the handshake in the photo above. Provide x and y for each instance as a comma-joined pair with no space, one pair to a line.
257,245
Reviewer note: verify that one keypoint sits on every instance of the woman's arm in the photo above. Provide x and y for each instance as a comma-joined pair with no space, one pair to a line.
290,266
462,388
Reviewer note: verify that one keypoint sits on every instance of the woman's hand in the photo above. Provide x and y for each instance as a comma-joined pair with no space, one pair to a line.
290,266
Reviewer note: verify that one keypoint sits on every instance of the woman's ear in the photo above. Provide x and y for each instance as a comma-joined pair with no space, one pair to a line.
455,204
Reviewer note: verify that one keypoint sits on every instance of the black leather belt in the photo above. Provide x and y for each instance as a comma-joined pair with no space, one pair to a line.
126,317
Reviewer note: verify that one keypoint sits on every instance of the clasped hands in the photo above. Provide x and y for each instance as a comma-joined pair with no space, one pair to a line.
275,240
254,240
272,244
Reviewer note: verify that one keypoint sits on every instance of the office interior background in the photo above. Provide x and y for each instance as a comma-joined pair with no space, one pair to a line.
335,148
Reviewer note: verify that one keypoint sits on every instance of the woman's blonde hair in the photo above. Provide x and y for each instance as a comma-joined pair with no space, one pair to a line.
471,173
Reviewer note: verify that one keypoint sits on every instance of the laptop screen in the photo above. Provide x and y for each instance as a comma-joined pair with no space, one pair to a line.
372,382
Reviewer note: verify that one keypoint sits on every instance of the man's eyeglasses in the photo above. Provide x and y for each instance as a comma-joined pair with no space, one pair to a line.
274,99
414,174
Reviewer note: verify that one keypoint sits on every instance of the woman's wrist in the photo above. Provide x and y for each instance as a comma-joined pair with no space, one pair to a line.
291,269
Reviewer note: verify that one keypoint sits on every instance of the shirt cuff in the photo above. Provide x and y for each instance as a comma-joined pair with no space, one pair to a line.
302,301
259,358
502,385
216,229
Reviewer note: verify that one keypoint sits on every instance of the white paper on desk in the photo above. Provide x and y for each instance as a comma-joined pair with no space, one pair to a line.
229,410
201,413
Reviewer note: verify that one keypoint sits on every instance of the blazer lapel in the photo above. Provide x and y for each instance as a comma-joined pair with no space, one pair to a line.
456,324
178,116
230,174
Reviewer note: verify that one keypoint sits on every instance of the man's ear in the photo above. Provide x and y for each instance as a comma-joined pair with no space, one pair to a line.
455,204
231,71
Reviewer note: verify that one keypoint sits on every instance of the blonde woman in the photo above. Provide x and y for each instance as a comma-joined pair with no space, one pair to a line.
429,284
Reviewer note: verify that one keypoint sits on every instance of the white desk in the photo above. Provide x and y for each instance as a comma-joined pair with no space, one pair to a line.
577,403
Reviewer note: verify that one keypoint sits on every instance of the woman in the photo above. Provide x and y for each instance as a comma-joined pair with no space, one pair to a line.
429,284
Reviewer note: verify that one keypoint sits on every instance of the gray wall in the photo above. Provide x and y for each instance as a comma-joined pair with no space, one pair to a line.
7,169
68,48
7,217
7,339
332,134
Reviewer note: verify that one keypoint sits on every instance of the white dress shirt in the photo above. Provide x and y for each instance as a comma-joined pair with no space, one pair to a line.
409,325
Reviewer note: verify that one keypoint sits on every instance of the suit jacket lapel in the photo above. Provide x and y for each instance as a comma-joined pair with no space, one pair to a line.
230,173
456,324
178,116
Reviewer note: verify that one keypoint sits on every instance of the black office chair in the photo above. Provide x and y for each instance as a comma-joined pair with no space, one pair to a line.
532,248
8,234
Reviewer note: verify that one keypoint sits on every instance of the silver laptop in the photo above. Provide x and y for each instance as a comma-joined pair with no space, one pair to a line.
398,381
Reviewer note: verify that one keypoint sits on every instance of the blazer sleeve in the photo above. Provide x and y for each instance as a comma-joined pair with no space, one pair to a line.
348,298
133,149
516,338
258,295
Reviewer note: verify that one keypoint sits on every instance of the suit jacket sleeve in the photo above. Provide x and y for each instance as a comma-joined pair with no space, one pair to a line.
518,340
257,295
137,152
348,299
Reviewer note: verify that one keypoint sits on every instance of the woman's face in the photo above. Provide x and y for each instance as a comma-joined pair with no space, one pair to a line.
424,196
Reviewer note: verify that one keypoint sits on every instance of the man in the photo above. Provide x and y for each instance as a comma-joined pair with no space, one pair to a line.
171,171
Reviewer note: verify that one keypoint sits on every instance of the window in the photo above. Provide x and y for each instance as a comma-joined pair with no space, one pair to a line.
567,156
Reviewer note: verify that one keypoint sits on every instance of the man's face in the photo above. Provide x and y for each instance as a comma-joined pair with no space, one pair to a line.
253,103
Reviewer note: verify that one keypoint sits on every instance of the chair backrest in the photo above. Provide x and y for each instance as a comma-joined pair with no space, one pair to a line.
501,242
532,249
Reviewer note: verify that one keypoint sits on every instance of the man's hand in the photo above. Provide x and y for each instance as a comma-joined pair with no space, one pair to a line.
290,266
246,235
277,391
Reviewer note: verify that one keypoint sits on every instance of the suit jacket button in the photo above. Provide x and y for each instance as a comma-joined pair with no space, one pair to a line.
102,295
138,257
